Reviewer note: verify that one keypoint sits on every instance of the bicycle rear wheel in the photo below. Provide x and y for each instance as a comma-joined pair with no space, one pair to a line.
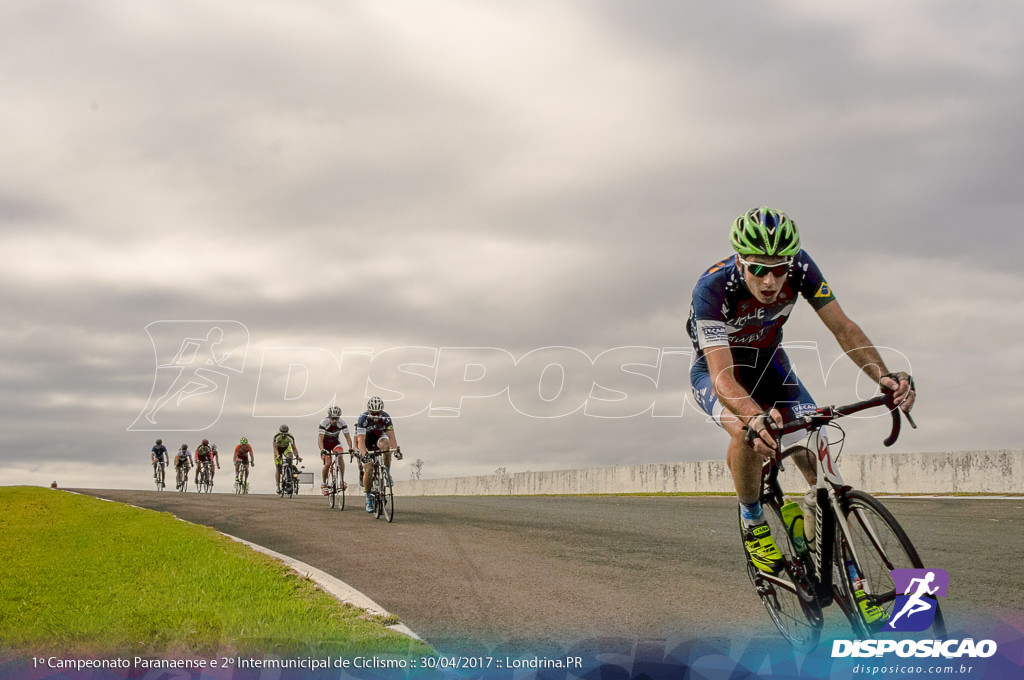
880,545
788,596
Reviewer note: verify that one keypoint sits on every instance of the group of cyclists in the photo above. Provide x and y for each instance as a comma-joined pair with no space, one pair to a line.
205,454
374,434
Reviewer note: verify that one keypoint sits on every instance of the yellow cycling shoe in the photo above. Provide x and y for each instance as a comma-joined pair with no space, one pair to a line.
761,547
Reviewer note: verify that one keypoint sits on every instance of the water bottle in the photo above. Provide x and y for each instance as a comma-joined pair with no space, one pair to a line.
793,518
871,613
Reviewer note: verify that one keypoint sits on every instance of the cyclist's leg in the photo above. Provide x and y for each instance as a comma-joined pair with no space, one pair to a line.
745,465
384,444
327,459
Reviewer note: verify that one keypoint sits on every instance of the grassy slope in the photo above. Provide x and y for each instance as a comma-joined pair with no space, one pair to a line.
79,575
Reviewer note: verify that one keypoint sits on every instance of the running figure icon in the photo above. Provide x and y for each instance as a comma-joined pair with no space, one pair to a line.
195,363
915,603
917,596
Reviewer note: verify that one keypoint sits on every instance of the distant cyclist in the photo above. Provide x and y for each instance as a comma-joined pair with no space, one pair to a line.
159,457
205,454
328,438
741,376
243,458
283,446
183,459
374,430
216,459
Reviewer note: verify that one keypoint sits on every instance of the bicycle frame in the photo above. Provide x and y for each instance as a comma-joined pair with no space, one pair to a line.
831,501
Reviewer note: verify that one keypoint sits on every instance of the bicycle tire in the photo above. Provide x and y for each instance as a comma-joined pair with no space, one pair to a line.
881,545
336,488
377,486
332,488
387,499
788,596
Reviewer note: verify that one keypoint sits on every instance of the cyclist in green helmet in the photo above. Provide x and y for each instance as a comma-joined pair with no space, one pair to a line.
741,376
243,459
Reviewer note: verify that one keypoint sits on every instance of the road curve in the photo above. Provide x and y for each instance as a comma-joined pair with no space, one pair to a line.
481,574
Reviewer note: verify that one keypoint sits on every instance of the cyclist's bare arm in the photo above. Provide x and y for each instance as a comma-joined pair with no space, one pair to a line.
859,348
737,400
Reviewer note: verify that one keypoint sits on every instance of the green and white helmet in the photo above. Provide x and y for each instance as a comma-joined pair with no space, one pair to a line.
763,231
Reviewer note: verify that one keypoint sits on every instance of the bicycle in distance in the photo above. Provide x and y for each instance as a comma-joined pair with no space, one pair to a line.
158,475
336,486
289,477
846,555
204,483
381,493
182,478
242,479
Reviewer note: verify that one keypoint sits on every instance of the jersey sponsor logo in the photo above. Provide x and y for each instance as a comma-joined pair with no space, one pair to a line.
712,333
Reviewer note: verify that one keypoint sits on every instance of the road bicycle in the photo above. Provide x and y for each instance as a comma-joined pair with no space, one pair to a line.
242,479
289,478
381,493
335,484
205,477
158,476
855,544
182,478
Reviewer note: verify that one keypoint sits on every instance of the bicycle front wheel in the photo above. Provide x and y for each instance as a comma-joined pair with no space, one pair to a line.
879,545
788,595
387,501
377,487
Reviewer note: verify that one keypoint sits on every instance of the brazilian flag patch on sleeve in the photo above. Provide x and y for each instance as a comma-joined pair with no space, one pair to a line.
823,290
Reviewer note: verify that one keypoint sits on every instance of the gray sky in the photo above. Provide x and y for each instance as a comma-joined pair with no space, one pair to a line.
387,186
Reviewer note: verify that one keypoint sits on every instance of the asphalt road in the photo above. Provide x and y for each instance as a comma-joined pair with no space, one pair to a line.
478,574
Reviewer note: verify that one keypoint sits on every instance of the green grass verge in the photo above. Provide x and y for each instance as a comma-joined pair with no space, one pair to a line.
84,576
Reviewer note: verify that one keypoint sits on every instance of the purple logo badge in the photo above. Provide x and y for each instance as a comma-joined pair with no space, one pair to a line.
916,590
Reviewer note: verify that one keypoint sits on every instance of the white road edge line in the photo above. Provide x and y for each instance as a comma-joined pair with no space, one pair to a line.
334,586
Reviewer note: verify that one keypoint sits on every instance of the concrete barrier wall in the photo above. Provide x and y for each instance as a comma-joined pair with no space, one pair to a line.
972,472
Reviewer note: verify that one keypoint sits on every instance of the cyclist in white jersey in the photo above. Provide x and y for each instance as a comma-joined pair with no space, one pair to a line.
328,439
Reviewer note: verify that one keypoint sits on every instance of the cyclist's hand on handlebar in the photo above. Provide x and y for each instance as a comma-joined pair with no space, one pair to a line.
757,435
398,453
902,386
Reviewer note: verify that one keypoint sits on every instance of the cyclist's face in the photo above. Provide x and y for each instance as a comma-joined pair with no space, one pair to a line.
765,288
